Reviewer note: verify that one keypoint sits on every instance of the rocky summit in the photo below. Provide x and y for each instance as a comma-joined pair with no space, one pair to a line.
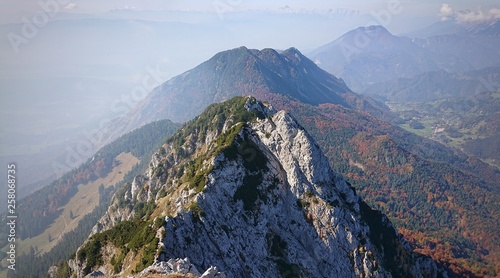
244,191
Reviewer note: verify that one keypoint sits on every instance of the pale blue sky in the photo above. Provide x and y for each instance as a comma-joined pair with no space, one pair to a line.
65,44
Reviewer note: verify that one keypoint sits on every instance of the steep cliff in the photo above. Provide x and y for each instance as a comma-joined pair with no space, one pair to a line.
244,191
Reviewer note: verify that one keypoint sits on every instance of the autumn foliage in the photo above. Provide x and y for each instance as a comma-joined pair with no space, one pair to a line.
444,203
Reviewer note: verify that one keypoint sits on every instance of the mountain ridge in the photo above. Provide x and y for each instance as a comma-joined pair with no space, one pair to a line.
368,55
242,71
372,54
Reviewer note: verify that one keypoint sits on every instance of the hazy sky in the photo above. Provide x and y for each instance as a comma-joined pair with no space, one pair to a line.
93,6
14,10
117,40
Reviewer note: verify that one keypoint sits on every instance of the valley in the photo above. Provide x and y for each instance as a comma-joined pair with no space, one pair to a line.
469,124
48,233
82,203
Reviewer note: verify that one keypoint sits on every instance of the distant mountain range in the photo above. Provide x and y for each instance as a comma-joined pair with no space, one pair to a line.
243,71
369,55
449,27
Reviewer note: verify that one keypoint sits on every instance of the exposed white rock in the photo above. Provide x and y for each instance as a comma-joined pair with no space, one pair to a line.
177,266
212,272
265,109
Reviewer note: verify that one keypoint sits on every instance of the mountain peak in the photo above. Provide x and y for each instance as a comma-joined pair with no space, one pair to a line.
231,54
241,71
293,51
373,33
371,54
244,191
295,55
375,29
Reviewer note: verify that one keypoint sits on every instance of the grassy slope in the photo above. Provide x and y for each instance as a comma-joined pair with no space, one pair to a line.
81,204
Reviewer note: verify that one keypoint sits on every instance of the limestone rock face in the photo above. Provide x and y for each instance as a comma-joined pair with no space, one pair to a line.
294,216
269,205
